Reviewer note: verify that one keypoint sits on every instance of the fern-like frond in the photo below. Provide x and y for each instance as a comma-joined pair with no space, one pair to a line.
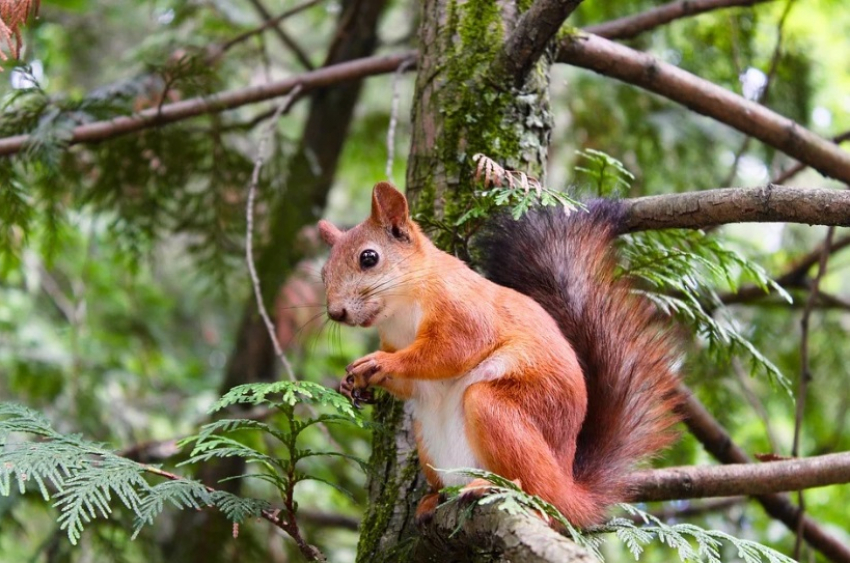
86,478
289,393
682,538
683,271
609,176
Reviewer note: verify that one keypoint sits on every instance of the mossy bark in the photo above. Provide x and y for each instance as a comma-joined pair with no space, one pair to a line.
462,107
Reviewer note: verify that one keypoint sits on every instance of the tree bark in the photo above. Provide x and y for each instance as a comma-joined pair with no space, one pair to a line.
465,102
709,208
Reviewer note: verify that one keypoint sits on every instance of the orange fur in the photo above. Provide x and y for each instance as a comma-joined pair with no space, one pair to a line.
494,381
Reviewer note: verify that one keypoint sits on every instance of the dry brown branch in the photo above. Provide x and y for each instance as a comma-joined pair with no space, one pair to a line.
749,479
169,113
698,210
13,16
631,26
640,69
806,374
799,167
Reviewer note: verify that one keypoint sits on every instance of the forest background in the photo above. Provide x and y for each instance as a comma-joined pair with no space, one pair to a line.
127,306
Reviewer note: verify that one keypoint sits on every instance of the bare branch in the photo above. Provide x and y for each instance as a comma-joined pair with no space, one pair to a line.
640,69
526,43
692,509
169,113
249,235
281,33
631,26
697,210
270,22
719,443
394,117
742,479
799,167
272,516
805,372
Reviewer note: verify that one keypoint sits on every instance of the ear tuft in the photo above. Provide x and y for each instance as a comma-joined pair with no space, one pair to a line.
389,209
329,232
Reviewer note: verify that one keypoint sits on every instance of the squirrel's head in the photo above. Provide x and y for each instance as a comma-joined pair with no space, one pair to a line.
372,267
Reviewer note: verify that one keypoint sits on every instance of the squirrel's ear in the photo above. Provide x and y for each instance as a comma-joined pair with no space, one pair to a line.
389,209
329,233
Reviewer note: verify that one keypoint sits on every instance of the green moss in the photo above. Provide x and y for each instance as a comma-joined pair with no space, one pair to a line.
388,415
481,112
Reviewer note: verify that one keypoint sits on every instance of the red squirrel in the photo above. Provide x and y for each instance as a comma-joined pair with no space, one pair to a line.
554,374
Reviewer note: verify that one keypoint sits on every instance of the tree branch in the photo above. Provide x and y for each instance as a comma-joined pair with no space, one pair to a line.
529,38
506,537
270,22
719,443
697,210
640,69
281,33
631,26
799,167
169,113
742,479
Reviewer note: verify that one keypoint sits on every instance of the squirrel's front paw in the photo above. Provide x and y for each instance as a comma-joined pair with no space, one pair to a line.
357,395
360,375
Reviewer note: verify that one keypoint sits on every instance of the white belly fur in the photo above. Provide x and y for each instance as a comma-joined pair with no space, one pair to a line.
438,408
438,405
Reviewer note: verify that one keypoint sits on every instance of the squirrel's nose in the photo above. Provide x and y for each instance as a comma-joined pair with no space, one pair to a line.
337,313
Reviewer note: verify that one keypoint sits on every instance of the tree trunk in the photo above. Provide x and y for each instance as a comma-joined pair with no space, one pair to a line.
463,105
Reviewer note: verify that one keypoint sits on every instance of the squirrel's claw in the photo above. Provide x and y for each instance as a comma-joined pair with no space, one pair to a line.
357,394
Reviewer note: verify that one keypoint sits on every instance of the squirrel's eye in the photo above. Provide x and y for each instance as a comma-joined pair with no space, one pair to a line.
368,258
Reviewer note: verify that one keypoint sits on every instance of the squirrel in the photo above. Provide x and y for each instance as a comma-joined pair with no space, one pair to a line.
552,373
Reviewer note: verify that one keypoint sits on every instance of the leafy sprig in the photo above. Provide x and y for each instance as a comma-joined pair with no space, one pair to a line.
608,176
682,271
86,479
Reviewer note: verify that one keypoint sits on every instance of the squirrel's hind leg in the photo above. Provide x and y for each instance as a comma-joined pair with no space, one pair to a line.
506,441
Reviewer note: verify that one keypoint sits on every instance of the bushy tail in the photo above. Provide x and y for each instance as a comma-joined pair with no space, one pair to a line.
566,263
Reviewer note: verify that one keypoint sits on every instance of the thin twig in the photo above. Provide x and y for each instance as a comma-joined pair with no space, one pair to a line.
268,23
799,167
756,403
631,26
762,95
249,235
284,37
394,115
806,375
270,515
